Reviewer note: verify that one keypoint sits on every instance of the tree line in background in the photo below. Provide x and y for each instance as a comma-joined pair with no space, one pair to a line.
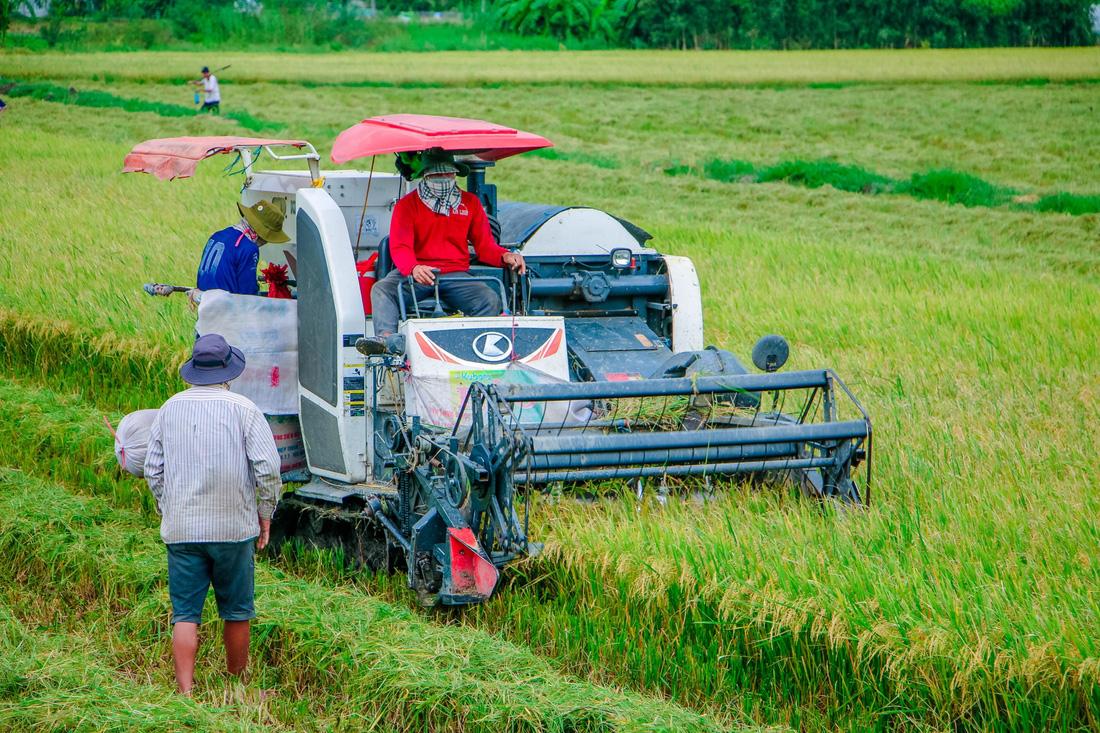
685,24
805,24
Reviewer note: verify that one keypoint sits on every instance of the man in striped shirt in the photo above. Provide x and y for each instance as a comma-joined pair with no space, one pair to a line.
214,470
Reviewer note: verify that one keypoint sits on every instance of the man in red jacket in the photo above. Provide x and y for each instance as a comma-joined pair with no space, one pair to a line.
430,228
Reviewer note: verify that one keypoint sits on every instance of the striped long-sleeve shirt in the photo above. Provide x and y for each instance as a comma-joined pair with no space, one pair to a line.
212,466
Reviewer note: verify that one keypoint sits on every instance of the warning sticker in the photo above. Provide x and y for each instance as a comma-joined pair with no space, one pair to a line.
354,388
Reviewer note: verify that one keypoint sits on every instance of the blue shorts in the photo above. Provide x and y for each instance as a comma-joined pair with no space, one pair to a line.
229,566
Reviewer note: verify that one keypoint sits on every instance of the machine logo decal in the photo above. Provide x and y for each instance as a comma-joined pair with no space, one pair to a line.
549,348
493,346
432,351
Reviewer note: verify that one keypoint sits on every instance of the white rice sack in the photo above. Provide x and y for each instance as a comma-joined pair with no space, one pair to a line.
266,332
132,441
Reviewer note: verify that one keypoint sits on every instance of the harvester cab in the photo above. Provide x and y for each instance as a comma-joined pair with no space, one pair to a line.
424,460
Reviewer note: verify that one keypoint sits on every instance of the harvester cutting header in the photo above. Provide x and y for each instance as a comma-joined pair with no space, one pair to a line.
422,445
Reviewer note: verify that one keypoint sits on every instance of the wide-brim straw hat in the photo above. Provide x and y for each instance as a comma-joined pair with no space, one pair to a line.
266,219
213,361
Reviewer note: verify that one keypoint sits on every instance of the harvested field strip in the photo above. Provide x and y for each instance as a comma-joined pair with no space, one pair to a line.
102,100
52,680
377,661
658,69
615,620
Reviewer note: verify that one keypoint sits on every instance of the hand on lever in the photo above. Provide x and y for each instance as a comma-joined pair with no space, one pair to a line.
425,275
515,261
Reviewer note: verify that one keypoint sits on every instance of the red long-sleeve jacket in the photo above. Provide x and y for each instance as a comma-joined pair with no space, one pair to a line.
419,236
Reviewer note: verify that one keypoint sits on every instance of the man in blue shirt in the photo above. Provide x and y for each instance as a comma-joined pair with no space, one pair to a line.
230,258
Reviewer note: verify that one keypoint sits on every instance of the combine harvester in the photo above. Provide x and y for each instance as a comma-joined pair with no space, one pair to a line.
425,461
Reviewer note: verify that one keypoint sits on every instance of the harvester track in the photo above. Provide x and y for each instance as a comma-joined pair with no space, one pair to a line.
300,522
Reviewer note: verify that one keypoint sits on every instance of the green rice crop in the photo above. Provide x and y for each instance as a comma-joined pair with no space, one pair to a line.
950,187
675,68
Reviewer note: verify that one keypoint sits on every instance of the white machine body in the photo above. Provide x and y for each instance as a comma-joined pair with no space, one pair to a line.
331,230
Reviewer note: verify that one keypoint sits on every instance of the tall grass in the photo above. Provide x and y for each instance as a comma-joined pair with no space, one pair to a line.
122,374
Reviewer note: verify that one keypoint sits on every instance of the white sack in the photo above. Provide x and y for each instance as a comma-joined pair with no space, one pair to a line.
132,441
266,331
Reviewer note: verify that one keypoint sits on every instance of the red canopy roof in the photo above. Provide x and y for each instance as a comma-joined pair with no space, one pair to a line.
406,133
176,157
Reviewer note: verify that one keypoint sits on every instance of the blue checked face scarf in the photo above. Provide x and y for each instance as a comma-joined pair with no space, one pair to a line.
440,194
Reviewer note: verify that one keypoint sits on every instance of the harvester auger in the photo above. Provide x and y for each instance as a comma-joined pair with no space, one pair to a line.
706,442
425,460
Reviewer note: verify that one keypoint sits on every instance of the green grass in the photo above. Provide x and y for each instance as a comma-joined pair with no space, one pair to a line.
1068,203
948,186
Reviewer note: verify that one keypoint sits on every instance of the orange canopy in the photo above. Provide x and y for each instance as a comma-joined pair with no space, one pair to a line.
408,133
176,157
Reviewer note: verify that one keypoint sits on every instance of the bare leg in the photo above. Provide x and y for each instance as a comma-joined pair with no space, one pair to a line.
236,637
185,646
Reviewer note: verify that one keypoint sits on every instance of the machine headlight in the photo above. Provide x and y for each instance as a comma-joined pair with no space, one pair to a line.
621,258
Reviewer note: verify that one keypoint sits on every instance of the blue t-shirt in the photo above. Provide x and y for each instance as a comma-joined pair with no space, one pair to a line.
229,263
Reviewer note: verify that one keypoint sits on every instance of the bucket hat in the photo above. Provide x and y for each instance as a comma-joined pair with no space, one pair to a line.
266,219
213,361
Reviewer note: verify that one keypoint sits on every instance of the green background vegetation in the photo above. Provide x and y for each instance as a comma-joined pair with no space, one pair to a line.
395,25
965,599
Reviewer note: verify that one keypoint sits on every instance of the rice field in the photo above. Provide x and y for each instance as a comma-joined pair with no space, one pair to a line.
965,599
642,68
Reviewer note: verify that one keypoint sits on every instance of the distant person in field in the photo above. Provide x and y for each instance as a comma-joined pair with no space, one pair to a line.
2,107
432,227
213,468
213,92
231,256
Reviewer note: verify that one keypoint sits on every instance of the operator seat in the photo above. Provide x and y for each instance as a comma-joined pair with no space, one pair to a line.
384,265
